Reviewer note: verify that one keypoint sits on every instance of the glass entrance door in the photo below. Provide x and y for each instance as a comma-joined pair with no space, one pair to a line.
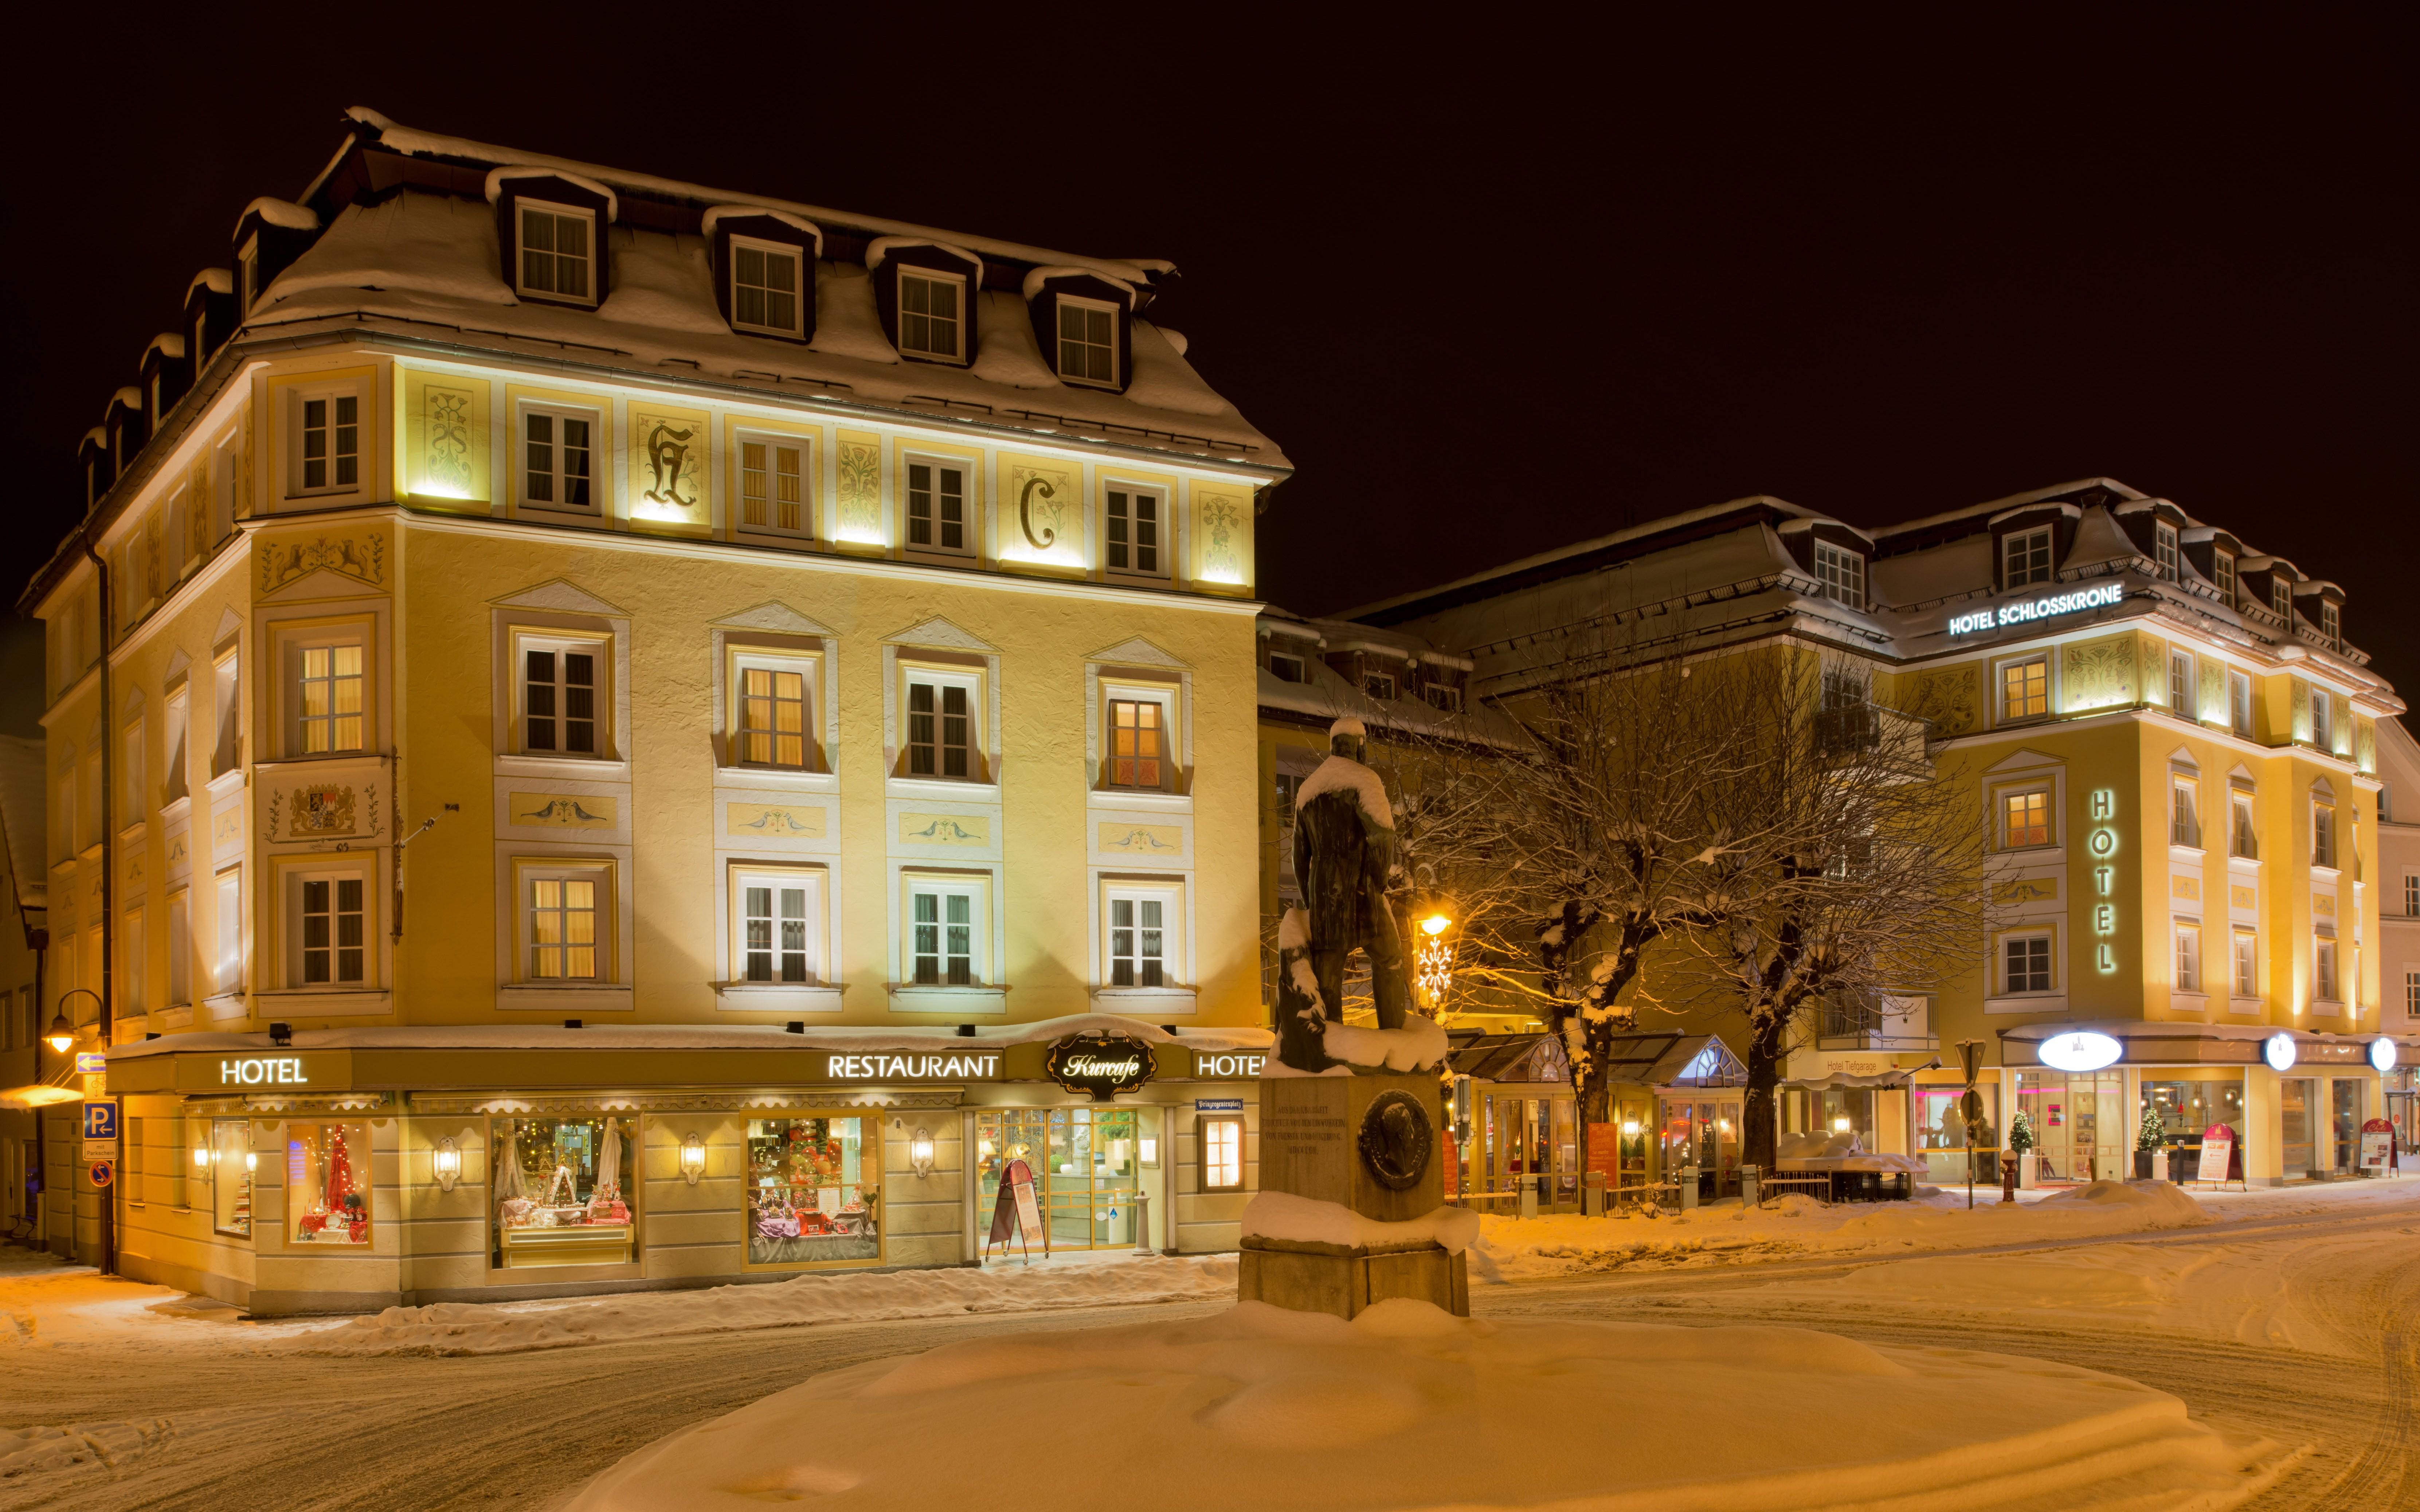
2345,1124
2294,1115
1087,1169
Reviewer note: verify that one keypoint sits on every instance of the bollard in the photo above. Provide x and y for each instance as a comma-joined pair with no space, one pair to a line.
1689,1187
1143,1224
1748,1176
2007,1178
1528,1197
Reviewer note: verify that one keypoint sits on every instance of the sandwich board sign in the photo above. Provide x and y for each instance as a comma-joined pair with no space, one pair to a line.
2378,1146
2219,1160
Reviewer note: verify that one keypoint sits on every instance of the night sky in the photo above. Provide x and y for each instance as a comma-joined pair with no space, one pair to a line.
1491,292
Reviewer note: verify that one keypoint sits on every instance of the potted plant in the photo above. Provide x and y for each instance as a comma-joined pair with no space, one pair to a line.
2022,1139
2148,1137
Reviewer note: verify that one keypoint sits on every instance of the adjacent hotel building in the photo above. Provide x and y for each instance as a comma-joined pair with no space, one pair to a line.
2167,733
604,730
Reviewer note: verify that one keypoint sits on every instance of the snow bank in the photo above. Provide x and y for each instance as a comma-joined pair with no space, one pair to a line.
1309,1221
1408,1407
503,1328
1512,1248
1418,1046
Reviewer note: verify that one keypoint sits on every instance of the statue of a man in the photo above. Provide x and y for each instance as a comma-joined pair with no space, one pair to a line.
1344,852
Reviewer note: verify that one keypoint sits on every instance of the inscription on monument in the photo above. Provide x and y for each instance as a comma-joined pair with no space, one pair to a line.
1308,1151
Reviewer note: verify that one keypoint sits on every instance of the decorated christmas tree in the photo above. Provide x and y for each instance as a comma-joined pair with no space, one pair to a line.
2022,1137
2154,1134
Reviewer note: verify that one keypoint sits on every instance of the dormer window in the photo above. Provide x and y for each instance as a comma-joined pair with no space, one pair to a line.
765,281
2331,626
2164,540
2281,598
930,302
1842,574
1286,669
247,276
555,250
2222,565
2026,558
1088,341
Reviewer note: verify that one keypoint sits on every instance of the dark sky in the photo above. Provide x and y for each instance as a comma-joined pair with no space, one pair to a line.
1491,292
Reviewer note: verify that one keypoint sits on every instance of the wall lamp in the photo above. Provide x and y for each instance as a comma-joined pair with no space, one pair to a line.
920,1152
447,1162
692,1157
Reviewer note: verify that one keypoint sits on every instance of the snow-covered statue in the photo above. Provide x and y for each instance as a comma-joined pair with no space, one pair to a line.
1344,853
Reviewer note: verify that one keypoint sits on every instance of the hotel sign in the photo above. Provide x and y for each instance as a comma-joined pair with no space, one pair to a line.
2049,606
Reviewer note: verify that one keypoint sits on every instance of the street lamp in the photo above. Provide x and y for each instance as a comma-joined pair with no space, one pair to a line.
62,1035
1433,962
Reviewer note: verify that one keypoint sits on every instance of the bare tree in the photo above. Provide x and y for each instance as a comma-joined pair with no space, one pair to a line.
1835,863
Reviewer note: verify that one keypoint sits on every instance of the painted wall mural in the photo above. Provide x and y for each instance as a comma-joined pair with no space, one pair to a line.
667,449
944,830
860,457
1947,698
1044,501
770,821
1142,839
565,811
2101,674
1222,525
360,557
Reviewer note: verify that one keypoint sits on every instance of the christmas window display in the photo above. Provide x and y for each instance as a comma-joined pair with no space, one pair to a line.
327,1184
231,1167
813,1187
559,1192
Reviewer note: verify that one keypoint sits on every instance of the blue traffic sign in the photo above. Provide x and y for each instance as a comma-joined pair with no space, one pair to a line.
100,1120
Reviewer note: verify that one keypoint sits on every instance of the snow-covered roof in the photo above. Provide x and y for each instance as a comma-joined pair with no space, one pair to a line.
217,280
167,344
1996,506
129,396
717,214
498,177
412,142
284,213
878,251
418,259
1039,276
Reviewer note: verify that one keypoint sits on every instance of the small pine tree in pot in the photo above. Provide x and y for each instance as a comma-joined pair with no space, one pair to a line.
2021,1133
2148,1137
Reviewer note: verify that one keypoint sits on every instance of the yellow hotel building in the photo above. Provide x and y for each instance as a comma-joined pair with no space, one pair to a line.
2168,738
605,733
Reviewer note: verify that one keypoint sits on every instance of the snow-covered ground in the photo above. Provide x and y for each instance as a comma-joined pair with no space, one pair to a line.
2279,1316
1408,1406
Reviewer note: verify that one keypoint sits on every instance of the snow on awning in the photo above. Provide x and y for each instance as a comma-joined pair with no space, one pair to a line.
1841,1079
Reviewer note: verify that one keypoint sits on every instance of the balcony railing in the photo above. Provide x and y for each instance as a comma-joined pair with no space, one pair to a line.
1877,1022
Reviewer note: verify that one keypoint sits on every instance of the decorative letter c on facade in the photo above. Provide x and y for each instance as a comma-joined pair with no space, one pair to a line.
1025,513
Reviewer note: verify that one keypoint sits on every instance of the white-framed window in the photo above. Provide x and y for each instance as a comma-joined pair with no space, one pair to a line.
2324,969
566,914
560,686
2243,836
2281,598
227,970
2323,719
2025,818
134,961
765,285
1133,518
180,947
2025,690
1380,686
1139,734
173,781
777,925
1444,697
772,698
2024,558
1287,668
929,319
556,251
2181,685
2247,955
1842,572
327,926
2323,833
942,945
2411,995
227,745
937,506
774,484
1139,933
2025,962
2332,624
1222,1153
327,685
2184,813
941,736
2222,565
2238,703
325,456
2164,541
2188,956
559,457
1088,341
2411,894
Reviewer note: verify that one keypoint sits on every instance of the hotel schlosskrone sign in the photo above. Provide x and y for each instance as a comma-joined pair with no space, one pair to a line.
2046,607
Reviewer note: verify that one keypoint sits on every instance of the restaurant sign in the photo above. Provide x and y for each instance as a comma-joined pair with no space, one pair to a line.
1099,1065
885,1067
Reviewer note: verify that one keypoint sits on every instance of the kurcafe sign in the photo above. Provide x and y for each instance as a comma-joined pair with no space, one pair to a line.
1100,1065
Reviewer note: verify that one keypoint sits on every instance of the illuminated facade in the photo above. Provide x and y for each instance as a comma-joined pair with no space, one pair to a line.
524,594
2175,747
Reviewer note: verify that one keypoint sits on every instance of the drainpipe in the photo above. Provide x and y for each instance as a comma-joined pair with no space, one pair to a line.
108,900
42,943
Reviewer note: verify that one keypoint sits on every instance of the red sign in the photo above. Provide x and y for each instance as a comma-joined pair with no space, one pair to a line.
2377,1152
102,1173
2219,1159
1017,1212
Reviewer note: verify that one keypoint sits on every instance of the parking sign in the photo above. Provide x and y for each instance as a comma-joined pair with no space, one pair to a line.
100,1120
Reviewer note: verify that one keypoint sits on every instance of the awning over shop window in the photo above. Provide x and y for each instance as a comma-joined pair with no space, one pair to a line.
1841,1080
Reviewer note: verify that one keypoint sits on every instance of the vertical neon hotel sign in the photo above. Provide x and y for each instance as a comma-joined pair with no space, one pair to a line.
2102,843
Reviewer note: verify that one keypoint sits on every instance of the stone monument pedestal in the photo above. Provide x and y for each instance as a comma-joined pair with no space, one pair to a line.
1354,1141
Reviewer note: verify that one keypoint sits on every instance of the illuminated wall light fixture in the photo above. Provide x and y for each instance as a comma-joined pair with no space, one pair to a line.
446,1160
692,1157
920,1152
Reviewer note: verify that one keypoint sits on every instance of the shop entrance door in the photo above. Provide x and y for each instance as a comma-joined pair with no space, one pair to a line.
1087,1170
2294,1111
1705,1131
2346,1120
